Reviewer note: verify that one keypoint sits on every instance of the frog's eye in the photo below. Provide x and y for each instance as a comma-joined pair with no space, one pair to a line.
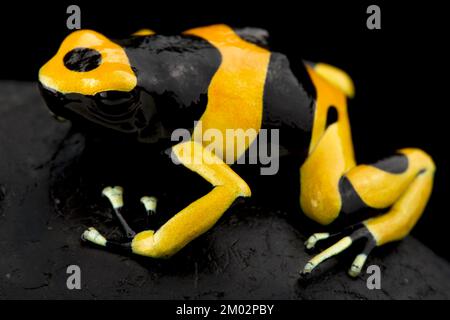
82,59
113,98
115,103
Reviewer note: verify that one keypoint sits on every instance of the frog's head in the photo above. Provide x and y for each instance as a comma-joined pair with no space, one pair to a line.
90,80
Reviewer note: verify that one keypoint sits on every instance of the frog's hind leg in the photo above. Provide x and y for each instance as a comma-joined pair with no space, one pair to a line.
402,182
333,185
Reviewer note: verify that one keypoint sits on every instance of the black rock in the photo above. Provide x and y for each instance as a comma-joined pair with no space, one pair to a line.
48,197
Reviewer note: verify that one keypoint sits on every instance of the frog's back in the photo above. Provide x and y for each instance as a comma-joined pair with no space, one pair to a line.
228,79
255,88
289,99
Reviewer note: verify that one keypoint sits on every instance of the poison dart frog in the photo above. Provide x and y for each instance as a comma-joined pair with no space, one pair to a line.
147,85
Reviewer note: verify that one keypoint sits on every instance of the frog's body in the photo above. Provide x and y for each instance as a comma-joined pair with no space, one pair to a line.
149,85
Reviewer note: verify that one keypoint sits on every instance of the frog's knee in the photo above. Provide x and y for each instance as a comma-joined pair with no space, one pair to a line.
419,160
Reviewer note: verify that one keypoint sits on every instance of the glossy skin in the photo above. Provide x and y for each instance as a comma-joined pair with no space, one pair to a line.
148,85
173,75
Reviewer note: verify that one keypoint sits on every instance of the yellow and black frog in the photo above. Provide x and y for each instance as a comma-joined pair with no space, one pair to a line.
148,85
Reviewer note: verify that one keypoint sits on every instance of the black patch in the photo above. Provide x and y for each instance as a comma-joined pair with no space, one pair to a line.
257,36
289,100
332,116
82,59
351,201
176,71
395,164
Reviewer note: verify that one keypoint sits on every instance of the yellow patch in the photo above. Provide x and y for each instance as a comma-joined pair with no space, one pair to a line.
337,77
235,94
144,32
114,72
320,198
328,95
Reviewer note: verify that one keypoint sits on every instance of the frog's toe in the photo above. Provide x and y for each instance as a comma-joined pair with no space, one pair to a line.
150,206
357,265
361,233
115,197
312,240
92,235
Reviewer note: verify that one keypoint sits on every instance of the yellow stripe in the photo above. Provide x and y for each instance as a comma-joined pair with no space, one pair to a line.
320,198
328,95
337,77
235,94
143,32
330,150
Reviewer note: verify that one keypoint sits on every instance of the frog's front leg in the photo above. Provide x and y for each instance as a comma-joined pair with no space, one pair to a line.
196,218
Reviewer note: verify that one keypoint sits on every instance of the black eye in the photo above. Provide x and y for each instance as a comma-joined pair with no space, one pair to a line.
114,103
114,97
82,59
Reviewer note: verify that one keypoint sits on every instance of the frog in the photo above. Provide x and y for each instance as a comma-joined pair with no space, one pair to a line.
147,85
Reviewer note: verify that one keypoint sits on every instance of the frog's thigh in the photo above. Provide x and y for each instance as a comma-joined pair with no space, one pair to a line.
320,198
201,214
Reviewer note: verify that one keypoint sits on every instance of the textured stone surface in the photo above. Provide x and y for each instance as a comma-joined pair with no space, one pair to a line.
47,198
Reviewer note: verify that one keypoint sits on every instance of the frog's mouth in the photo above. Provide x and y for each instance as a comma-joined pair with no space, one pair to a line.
126,112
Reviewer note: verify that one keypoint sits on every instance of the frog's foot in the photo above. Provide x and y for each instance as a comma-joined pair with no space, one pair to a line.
360,233
115,197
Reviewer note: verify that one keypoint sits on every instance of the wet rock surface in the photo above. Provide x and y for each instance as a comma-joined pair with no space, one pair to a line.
50,183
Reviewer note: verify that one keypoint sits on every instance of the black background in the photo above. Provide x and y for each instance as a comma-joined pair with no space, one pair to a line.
399,71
